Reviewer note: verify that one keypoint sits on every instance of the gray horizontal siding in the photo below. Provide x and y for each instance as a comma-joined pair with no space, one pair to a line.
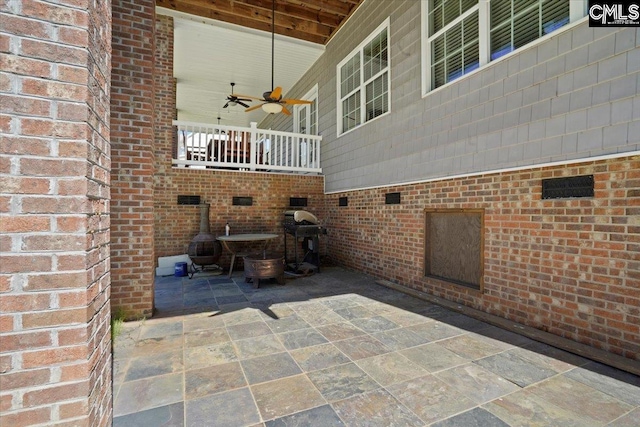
573,96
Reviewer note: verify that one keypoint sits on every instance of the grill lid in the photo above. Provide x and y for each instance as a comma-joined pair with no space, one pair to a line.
302,216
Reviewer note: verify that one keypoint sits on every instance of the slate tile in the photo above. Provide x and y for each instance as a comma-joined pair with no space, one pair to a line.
433,357
515,369
476,417
470,347
376,408
621,385
301,338
399,339
374,324
430,398
159,364
318,357
524,408
234,408
341,382
339,331
434,331
209,355
258,346
248,330
271,367
390,368
206,337
213,379
274,398
323,416
160,330
476,383
575,396
163,416
287,324
361,347
140,395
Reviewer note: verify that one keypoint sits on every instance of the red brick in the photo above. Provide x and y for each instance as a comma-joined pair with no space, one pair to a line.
15,303
22,105
52,318
73,409
26,263
26,417
24,66
56,393
40,358
25,379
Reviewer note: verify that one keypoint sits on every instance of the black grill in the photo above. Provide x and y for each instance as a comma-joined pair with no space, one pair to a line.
304,228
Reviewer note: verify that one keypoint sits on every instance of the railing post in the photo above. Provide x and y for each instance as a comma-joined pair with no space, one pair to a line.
253,152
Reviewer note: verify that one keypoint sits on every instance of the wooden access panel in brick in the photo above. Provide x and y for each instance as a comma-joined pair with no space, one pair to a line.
454,246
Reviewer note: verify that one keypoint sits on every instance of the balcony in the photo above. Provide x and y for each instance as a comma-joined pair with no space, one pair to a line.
207,146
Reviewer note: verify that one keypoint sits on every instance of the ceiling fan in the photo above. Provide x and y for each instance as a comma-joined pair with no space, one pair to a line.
272,101
234,100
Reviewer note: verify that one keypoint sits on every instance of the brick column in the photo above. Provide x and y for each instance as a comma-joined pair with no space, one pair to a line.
55,345
132,157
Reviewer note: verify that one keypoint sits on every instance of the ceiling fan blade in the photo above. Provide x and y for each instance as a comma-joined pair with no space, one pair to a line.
244,100
295,101
276,93
284,110
226,105
248,96
243,104
255,107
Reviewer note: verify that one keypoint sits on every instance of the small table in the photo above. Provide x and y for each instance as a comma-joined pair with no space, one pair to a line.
243,238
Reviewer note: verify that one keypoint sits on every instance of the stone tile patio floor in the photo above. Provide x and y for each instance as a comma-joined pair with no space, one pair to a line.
337,349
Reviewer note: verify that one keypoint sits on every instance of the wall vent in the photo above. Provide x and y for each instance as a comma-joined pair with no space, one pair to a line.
567,187
188,200
392,199
242,201
297,202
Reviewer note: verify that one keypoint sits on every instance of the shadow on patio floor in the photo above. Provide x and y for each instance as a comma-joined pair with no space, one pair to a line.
337,349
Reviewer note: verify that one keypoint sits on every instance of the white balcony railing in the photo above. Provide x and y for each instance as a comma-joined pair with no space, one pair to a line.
201,145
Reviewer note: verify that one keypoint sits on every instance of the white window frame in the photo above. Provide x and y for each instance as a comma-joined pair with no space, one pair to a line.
310,118
577,13
312,95
362,86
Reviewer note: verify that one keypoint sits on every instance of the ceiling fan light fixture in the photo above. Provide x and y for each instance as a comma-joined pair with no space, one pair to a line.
272,108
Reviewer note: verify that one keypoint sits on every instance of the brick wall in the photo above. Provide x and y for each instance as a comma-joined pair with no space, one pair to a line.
567,266
176,225
132,156
55,356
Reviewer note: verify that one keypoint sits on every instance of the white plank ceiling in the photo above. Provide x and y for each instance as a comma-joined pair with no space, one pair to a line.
209,55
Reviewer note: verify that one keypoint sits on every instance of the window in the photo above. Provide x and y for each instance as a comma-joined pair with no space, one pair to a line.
305,116
517,23
454,39
460,36
363,81
305,120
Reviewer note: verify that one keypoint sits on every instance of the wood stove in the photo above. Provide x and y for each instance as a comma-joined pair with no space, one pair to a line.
204,250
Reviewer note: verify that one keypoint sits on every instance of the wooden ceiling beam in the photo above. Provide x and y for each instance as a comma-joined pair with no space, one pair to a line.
312,20
230,8
195,8
296,11
332,6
